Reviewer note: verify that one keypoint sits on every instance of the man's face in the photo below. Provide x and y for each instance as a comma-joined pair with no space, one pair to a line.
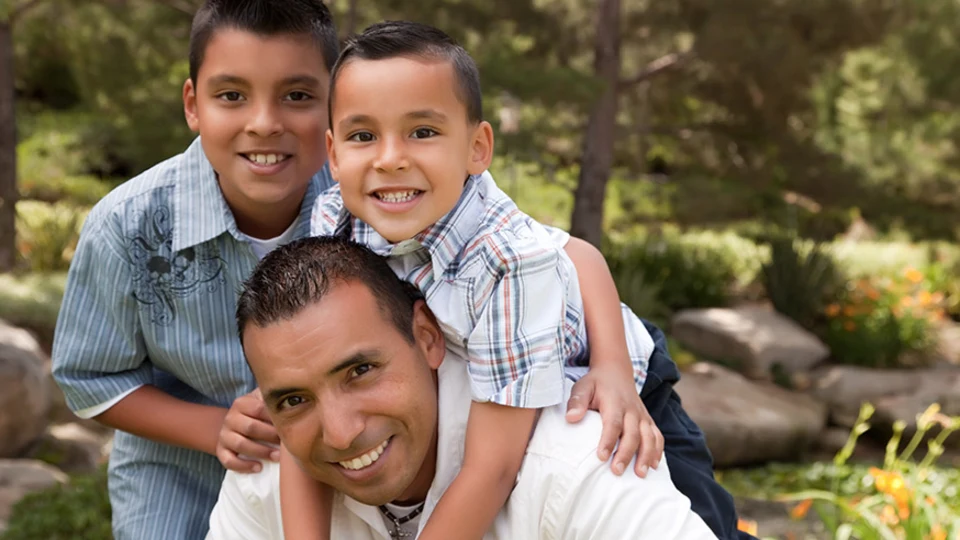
352,399
260,107
402,145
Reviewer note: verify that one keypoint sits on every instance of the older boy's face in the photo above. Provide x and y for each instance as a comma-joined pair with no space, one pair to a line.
260,108
353,401
402,145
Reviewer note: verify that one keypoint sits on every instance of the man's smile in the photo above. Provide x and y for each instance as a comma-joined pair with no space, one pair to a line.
367,459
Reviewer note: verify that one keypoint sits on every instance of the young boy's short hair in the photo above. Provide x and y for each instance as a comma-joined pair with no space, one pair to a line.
264,18
392,39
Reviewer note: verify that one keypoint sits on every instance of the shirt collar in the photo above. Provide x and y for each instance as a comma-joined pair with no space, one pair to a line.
200,211
444,240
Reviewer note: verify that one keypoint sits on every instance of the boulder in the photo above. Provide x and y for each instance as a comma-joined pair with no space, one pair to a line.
72,447
747,422
844,388
756,341
24,390
935,386
19,477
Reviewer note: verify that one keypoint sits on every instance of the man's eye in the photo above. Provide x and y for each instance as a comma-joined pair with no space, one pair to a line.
299,96
230,96
289,402
424,133
361,370
361,136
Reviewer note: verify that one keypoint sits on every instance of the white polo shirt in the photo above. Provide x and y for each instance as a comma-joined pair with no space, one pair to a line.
563,491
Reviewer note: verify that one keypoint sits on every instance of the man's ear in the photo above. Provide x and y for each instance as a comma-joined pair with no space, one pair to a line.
481,150
427,335
190,106
332,157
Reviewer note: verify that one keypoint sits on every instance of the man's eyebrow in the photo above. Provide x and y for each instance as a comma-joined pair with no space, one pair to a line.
356,359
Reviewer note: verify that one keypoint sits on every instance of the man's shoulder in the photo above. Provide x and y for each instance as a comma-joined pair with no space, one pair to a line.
565,443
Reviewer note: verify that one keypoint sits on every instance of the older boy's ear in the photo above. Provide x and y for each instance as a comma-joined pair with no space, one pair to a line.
427,335
190,105
332,157
481,153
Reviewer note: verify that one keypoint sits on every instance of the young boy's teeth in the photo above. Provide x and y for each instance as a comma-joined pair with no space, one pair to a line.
397,196
365,460
266,159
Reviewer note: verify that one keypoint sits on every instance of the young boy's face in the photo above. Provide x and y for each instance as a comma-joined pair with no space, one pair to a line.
259,105
402,144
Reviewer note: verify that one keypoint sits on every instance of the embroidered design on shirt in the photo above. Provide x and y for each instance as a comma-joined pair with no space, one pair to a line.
162,275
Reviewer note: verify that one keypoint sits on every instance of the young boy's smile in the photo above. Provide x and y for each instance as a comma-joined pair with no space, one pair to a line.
260,107
401,143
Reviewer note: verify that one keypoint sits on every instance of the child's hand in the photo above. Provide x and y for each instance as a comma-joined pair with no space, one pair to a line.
247,431
624,417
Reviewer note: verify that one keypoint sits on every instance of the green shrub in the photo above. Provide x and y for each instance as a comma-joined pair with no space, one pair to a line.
52,166
79,510
47,234
32,301
798,281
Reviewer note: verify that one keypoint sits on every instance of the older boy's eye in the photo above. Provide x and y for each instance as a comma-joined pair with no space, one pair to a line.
230,96
423,133
299,96
361,136
291,401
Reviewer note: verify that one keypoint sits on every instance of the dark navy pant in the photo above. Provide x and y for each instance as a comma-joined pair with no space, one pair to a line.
690,462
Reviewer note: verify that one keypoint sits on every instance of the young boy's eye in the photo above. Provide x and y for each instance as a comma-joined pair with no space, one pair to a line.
424,133
230,96
298,96
361,136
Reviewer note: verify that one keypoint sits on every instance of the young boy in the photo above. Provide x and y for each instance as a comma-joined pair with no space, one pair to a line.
146,340
409,148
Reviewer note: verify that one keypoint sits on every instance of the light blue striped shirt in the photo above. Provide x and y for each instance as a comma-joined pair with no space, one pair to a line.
151,299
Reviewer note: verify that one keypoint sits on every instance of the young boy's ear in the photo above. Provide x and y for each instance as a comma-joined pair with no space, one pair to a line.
190,106
332,157
481,151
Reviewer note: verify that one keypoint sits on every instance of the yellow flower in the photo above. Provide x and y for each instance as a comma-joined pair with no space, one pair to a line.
925,298
747,526
889,516
937,533
800,511
881,479
913,275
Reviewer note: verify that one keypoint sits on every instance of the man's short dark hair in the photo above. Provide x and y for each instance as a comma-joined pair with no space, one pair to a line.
265,18
299,274
392,39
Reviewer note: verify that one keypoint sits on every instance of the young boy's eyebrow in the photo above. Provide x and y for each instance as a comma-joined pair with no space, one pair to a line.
354,120
427,114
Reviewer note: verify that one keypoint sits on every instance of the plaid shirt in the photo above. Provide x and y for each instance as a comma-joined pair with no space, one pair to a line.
504,291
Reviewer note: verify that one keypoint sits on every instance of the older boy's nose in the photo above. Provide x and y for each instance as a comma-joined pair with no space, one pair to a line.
392,155
265,121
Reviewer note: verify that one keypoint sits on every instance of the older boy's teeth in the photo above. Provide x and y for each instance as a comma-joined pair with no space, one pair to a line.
266,159
397,196
365,460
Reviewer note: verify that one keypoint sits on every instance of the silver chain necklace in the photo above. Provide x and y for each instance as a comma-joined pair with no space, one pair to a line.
397,533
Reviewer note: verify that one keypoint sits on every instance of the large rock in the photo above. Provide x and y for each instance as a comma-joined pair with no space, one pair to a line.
845,388
756,341
73,447
24,390
935,386
746,422
21,477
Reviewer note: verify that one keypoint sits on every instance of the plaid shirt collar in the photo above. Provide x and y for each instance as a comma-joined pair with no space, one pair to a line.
444,240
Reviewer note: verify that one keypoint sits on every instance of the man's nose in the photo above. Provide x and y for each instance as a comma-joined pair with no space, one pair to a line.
340,426
391,155
266,120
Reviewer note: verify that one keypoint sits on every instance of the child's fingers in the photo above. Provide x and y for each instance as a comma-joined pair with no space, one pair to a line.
255,429
627,449
581,395
240,445
233,462
651,449
612,428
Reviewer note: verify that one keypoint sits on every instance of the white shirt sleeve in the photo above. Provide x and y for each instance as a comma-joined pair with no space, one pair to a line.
604,506
97,410
248,507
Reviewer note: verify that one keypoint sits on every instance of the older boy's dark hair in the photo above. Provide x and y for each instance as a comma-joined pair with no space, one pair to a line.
301,273
264,18
393,39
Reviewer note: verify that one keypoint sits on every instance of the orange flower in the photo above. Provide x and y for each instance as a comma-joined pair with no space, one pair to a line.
936,297
849,311
832,310
800,511
925,298
937,533
873,294
849,326
906,301
913,275
889,516
747,526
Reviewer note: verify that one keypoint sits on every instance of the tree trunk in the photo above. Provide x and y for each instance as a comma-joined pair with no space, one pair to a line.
597,158
351,26
8,151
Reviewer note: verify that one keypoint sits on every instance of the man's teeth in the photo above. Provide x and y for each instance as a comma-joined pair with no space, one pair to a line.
397,196
266,159
365,460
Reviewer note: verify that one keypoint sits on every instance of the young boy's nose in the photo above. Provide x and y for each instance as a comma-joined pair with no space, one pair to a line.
391,155
265,120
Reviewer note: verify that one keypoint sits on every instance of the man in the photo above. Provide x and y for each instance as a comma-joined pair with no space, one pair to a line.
357,379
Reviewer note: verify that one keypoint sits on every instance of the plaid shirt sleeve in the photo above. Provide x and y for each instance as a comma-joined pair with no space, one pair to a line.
516,349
